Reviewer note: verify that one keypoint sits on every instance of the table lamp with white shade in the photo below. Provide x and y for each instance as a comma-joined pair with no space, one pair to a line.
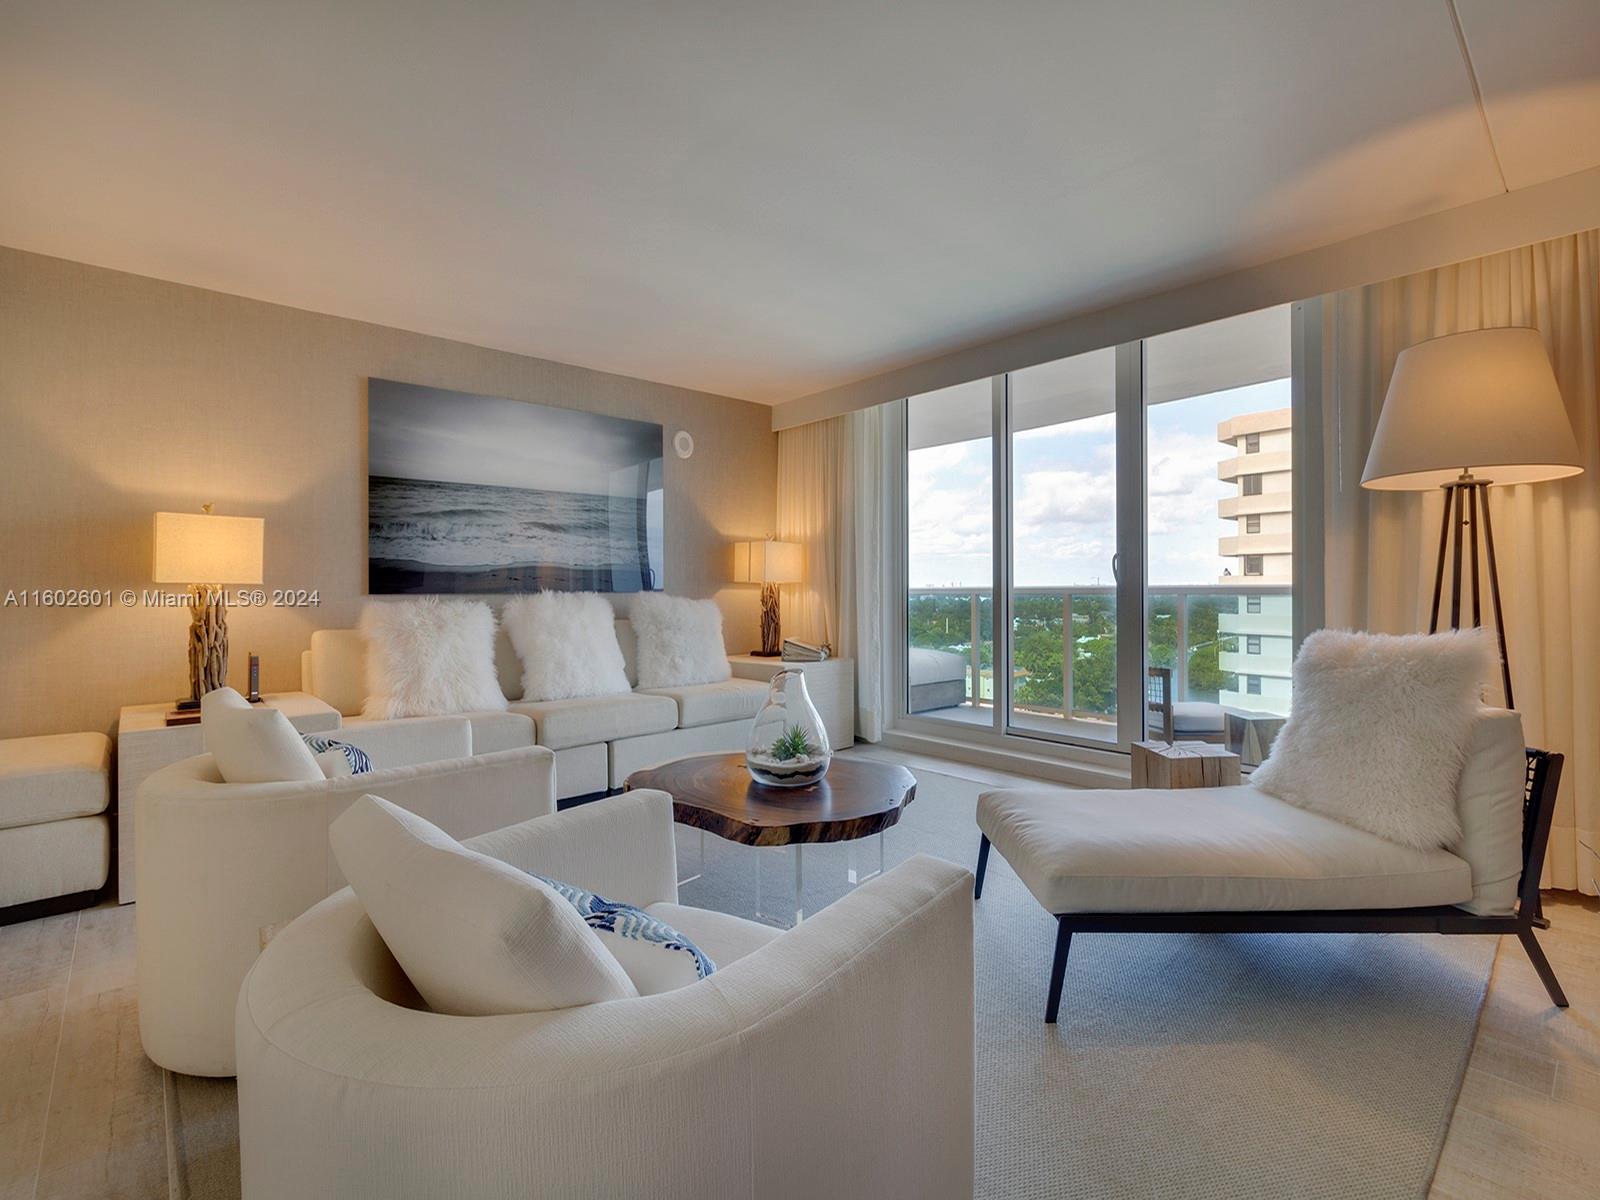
1464,412
206,552
768,563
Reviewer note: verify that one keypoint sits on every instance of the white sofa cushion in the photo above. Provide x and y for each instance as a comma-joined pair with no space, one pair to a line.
428,657
657,957
723,937
567,642
561,723
53,778
1490,806
1233,849
680,641
253,743
475,937
335,669
1378,734
54,858
714,703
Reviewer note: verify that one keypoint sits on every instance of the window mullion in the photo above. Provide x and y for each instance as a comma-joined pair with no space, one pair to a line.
1130,542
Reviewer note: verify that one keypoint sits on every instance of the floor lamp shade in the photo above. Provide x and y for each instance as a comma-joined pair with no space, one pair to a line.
1463,412
1483,403
205,552
768,563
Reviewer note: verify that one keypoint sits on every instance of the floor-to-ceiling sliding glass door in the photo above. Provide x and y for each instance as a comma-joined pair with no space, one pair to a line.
1068,523
950,560
1063,540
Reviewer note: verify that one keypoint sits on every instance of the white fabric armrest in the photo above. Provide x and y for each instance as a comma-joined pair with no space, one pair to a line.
620,847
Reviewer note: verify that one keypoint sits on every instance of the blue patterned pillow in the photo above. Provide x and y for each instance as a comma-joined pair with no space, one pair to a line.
360,764
657,957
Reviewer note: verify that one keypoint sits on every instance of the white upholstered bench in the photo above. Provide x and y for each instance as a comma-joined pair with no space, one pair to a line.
55,840
1236,860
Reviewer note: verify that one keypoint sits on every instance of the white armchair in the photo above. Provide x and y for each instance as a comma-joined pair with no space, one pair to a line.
833,1059
219,864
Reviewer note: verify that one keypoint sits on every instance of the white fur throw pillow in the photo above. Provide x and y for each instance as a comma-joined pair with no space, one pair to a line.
567,642
680,641
429,657
1379,731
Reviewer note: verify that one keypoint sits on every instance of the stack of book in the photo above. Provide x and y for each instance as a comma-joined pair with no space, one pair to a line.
798,651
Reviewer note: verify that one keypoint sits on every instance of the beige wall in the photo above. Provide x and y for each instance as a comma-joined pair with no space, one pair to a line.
122,395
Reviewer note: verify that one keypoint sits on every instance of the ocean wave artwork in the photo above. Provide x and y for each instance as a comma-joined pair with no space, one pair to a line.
469,493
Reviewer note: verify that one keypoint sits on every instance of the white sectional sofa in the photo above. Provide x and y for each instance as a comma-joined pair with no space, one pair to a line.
598,741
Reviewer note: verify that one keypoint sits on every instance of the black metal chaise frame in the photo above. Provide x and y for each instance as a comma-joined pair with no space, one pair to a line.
1542,781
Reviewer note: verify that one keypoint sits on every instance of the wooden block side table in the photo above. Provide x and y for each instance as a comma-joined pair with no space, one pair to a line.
1184,765
146,743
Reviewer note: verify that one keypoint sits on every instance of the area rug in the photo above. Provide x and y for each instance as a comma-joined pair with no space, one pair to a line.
1265,1066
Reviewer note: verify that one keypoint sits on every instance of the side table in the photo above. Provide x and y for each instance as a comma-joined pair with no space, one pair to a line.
146,743
831,684
1184,765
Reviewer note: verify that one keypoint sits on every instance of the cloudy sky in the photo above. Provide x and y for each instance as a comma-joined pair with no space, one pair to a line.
1065,503
458,437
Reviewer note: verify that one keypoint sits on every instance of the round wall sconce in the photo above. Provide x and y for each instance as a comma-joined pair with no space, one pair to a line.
683,443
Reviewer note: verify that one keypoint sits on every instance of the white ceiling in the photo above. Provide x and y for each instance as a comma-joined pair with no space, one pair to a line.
759,198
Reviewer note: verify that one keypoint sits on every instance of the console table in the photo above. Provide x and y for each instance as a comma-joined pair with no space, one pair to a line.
146,743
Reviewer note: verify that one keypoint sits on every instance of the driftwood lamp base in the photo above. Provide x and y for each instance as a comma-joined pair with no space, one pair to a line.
771,637
208,642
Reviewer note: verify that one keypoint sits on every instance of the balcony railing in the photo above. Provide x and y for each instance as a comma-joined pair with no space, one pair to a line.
1182,628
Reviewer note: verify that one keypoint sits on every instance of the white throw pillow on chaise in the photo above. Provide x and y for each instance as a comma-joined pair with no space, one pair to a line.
253,743
680,641
1379,729
429,658
475,936
567,642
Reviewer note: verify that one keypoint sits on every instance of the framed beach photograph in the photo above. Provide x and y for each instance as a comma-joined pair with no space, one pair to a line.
470,493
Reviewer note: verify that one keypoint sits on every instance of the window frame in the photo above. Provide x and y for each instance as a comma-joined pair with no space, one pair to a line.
1132,595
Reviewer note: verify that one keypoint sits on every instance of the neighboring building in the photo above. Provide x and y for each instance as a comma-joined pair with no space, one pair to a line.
1261,547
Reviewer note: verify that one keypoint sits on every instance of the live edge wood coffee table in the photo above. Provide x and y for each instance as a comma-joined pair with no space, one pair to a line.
856,800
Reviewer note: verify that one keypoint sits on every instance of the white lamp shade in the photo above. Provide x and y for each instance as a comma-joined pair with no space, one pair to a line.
766,562
1484,402
201,548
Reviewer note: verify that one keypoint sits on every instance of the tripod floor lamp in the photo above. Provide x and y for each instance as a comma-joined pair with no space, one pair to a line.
1465,412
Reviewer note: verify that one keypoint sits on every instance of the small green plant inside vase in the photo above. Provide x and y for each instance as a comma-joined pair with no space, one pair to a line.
791,744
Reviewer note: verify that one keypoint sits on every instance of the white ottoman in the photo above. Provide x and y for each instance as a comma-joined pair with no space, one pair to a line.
55,837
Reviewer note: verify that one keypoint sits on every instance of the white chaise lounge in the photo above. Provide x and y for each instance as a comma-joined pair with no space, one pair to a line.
1236,860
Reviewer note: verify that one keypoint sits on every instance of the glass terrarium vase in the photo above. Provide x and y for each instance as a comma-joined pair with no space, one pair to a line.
788,743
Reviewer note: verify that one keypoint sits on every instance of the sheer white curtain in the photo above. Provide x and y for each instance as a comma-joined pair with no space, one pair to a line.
830,500
1381,546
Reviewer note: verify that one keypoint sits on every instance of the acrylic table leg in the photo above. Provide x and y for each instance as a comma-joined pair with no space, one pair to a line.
865,859
778,903
700,865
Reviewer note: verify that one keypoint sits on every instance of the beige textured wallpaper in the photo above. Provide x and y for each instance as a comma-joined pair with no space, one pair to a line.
121,396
